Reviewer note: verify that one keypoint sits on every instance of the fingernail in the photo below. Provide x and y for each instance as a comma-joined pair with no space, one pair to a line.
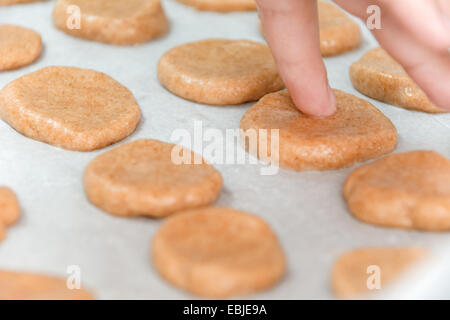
327,109
446,20
331,107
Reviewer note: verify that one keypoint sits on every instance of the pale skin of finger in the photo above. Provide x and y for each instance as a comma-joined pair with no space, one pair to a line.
292,31
416,34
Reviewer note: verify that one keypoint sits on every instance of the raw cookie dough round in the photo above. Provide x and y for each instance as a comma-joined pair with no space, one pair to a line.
119,22
2,232
9,2
218,252
28,286
378,76
221,5
338,33
407,190
72,108
9,210
350,273
219,71
18,47
142,178
9,207
356,132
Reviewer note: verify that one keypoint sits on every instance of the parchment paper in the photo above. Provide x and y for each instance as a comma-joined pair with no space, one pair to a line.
59,227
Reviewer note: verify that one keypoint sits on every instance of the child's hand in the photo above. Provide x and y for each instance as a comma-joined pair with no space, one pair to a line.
416,33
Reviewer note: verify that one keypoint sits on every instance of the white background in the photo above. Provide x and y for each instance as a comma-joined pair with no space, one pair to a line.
59,227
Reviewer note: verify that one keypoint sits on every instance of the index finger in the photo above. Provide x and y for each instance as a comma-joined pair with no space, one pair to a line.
292,31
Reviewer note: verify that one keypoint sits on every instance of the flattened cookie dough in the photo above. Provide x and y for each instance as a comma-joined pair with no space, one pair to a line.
356,132
28,286
219,71
10,2
9,207
338,33
18,47
72,108
9,210
407,190
2,232
119,22
350,273
221,5
378,76
142,178
218,252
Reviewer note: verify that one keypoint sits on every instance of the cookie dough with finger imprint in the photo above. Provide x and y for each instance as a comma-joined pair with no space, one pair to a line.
338,33
18,47
378,76
119,22
9,210
29,286
408,190
221,5
218,252
356,132
350,274
219,71
72,108
143,178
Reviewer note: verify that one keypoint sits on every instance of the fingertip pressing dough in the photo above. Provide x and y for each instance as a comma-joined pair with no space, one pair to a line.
338,33
221,5
72,108
219,71
28,286
141,178
119,22
407,190
350,273
18,47
378,76
356,132
9,207
218,252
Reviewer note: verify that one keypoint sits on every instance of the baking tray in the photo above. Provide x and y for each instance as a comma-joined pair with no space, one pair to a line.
60,228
